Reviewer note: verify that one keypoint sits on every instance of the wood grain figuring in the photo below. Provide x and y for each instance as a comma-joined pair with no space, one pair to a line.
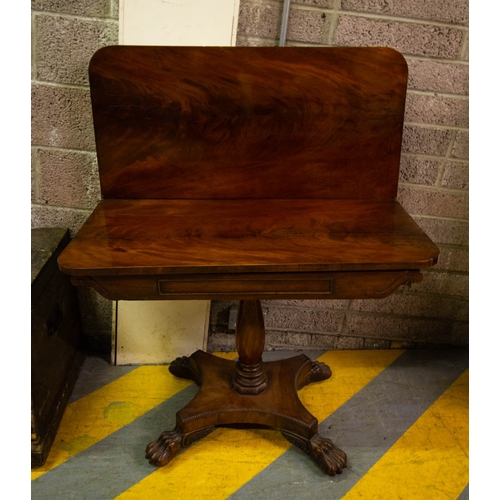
227,236
272,122
248,173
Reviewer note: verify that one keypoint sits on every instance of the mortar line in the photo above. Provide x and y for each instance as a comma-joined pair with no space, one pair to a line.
74,16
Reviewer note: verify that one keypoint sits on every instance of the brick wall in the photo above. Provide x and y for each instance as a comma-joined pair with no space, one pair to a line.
65,182
433,36
434,171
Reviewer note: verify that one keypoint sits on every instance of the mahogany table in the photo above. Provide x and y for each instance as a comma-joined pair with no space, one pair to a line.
248,173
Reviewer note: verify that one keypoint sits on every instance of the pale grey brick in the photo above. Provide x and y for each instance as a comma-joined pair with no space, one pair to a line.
461,145
425,140
438,76
408,38
61,117
418,171
437,110
432,202
456,175
89,8
400,329
454,232
68,179
64,47
406,304
448,11
46,216
308,26
318,304
259,20
453,258
440,283
303,320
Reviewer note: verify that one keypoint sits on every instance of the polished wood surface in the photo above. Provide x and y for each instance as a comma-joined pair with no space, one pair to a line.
139,237
248,173
248,122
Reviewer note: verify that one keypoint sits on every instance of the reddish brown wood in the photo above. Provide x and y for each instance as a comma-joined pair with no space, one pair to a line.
249,377
136,237
248,173
279,406
301,122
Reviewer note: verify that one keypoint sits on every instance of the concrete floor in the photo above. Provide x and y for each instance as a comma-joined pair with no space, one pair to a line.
401,417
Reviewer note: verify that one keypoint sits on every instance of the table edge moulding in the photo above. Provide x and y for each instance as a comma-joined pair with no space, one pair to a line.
248,173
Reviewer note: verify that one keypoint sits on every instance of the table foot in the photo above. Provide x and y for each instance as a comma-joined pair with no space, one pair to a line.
323,452
161,451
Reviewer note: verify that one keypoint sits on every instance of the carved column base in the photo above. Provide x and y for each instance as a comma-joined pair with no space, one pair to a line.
217,403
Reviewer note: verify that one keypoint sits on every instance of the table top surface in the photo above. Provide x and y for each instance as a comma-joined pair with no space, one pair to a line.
143,237
247,160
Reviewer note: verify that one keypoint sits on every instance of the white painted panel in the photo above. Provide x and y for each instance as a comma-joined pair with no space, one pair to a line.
179,22
149,332
158,331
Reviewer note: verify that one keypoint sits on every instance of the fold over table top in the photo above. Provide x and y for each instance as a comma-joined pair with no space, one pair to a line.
140,237
263,165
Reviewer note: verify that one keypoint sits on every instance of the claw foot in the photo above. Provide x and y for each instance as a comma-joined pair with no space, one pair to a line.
161,451
183,368
324,453
318,371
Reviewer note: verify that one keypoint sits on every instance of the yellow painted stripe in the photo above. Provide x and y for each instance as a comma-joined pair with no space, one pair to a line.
221,463
104,411
431,459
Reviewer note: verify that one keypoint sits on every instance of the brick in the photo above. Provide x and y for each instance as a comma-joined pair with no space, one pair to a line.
221,342
348,343
447,11
432,202
302,320
453,232
46,216
400,329
61,117
317,304
89,8
437,110
376,344
439,283
69,179
453,259
259,20
408,38
115,9
308,26
428,141
80,39
292,340
326,4
34,174
418,171
456,175
438,77
461,145
323,342
406,304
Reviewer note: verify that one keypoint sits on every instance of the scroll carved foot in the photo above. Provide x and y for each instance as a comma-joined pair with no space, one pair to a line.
183,368
324,453
164,449
318,371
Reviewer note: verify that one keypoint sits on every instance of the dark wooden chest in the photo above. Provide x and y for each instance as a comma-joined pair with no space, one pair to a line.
55,335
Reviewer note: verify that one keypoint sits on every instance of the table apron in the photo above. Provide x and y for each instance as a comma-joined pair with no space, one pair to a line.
329,285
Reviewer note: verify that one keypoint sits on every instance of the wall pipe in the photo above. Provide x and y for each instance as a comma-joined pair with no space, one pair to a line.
284,22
